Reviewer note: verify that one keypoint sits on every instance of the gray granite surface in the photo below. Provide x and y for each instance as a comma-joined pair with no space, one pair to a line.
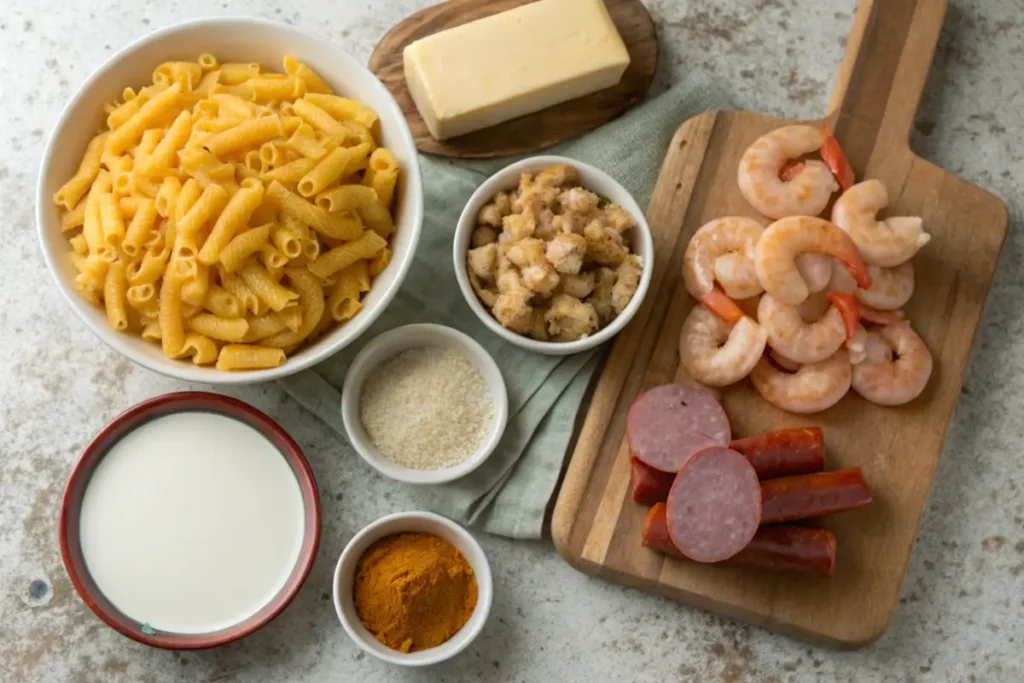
960,614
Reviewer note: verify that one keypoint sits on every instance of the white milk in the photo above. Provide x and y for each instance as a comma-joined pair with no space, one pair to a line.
191,522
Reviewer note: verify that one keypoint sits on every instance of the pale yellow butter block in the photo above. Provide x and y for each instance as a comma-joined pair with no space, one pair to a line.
514,63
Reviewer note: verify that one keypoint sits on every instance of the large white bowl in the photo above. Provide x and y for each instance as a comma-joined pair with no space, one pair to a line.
230,40
592,179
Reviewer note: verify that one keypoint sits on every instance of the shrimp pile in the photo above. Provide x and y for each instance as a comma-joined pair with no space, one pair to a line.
807,306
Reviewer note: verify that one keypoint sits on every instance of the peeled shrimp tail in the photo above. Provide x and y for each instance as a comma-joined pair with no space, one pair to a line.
721,305
847,306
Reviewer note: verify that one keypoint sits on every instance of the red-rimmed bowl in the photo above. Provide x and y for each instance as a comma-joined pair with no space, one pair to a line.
121,426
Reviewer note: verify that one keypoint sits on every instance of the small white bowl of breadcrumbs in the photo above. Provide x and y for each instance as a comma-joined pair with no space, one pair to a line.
424,404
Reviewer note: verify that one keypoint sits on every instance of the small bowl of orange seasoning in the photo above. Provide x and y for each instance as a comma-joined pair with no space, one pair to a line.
413,588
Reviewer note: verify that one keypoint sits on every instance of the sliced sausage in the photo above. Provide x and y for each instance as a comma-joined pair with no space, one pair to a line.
781,548
650,486
714,506
785,452
776,454
670,423
813,495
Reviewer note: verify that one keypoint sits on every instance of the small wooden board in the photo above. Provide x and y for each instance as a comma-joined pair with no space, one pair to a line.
534,131
597,527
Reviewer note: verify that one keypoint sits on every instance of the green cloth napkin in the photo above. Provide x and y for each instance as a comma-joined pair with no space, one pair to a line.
509,493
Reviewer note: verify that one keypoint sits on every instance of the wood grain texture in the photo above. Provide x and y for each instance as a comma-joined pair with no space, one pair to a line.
534,131
597,527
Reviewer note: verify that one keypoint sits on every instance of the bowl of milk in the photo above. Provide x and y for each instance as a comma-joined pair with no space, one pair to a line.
190,521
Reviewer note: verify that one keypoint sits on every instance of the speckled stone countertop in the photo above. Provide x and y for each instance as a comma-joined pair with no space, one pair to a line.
961,614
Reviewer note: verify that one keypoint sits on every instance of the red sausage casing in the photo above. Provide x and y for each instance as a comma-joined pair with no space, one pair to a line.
813,495
650,486
782,548
714,506
668,424
785,452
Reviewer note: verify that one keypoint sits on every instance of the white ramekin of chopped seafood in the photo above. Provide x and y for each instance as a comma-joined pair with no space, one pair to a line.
424,404
553,255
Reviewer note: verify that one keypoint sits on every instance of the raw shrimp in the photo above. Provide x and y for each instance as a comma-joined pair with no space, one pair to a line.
721,237
885,243
812,388
717,353
890,288
896,369
809,189
784,240
795,339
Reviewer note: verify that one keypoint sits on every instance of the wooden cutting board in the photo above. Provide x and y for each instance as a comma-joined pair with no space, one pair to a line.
597,527
534,131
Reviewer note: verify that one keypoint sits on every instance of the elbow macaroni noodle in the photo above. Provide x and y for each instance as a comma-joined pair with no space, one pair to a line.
228,214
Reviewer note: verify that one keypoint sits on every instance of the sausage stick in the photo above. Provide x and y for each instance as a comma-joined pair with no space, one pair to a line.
650,486
783,548
785,452
813,495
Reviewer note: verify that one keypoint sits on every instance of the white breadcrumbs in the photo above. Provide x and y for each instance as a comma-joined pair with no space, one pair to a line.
426,409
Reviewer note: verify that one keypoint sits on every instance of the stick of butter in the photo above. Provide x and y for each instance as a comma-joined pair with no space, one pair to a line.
513,63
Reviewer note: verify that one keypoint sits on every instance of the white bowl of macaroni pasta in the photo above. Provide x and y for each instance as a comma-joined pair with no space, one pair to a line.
229,200
553,255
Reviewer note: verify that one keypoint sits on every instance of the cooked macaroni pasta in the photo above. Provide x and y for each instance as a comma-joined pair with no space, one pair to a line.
230,214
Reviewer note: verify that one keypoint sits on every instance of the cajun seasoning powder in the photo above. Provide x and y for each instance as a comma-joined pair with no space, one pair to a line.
414,591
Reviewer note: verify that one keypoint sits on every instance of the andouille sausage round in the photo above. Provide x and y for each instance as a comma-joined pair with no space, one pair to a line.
668,424
714,507
776,548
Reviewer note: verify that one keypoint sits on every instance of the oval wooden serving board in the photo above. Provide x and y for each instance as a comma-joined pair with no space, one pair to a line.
534,131
597,527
